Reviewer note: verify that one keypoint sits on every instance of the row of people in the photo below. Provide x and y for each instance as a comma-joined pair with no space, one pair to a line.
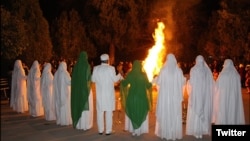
209,101
42,94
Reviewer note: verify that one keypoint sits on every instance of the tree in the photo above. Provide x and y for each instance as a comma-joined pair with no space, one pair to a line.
115,25
69,36
228,33
39,45
13,35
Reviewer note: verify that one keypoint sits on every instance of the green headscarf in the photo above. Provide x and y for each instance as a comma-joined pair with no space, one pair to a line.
80,87
136,94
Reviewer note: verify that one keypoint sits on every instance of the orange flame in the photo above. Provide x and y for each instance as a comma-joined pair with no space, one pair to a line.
153,62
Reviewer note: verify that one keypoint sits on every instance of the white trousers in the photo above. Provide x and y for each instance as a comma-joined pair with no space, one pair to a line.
108,120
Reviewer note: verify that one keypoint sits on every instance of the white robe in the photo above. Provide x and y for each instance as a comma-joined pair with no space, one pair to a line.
62,89
18,99
200,91
104,77
47,93
34,92
228,105
169,102
86,120
136,132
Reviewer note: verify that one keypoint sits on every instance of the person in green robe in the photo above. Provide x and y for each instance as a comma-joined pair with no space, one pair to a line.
81,94
136,98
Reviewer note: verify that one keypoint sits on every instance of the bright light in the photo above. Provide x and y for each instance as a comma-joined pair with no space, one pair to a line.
154,61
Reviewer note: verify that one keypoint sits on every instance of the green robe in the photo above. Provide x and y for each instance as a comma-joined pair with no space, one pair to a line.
80,87
136,95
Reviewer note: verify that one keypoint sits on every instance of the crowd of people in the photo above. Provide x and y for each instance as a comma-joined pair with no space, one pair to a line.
67,97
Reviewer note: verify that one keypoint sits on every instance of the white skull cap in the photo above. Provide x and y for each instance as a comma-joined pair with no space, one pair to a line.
104,57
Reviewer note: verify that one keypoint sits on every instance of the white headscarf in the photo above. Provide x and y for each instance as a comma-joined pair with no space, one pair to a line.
228,107
169,102
201,89
33,83
35,72
61,80
46,82
17,70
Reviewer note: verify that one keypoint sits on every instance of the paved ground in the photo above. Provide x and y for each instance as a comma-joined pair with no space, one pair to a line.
23,127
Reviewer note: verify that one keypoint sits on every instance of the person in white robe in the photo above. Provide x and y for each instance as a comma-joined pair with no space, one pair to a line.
34,90
47,93
104,77
86,120
81,94
170,83
228,104
200,88
18,99
62,90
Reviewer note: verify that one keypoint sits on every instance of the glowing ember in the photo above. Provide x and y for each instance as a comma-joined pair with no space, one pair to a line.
154,61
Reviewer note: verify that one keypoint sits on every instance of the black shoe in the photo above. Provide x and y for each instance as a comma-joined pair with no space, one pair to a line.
100,133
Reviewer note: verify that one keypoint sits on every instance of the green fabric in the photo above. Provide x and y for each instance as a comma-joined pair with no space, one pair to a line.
123,95
80,87
136,95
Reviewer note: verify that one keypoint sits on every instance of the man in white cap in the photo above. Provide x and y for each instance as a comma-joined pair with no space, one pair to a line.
104,76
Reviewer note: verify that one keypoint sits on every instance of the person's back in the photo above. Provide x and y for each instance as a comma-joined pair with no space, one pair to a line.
18,97
200,92
34,92
104,77
139,83
139,91
47,93
228,103
81,94
170,95
62,88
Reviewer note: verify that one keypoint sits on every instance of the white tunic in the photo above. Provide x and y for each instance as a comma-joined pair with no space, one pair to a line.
62,87
104,77
169,102
228,104
34,92
47,93
200,91
18,99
